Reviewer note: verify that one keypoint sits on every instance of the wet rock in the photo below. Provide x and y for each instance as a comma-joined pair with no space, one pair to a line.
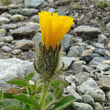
90,87
6,48
28,30
17,17
81,106
87,99
8,39
13,68
25,44
29,11
4,20
87,30
33,3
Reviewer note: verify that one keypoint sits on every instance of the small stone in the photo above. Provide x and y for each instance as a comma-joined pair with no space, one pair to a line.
7,15
102,38
30,54
16,52
97,106
87,52
35,18
25,44
2,34
4,20
81,106
107,53
98,45
108,45
106,62
102,67
87,99
6,48
14,11
17,17
107,72
8,39
91,88
108,27
52,10
29,11
100,51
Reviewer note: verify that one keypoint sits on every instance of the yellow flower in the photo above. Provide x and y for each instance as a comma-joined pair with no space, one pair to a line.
53,28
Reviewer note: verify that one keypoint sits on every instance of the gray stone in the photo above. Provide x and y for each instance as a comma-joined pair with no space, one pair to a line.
87,30
90,87
33,3
29,11
52,10
102,38
107,72
25,44
35,18
37,39
108,27
100,51
73,52
97,60
29,30
17,17
6,48
108,45
4,20
8,39
2,34
102,67
87,99
14,11
16,52
97,106
98,45
13,68
81,106
7,15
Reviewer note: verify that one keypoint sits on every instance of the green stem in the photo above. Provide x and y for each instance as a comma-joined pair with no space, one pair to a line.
43,95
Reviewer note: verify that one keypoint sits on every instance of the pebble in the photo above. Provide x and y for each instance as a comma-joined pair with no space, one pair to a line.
6,48
16,52
8,39
4,20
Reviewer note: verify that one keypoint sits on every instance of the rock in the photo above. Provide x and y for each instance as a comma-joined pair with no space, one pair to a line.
2,34
91,88
87,52
100,51
9,26
6,48
62,2
67,61
108,45
102,67
108,27
72,92
30,54
37,39
8,39
16,52
107,53
107,72
73,52
87,58
97,106
29,11
13,68
67,42
97,60
87,99
4,20
33,3
81,106
106,62
102,38
25,44
104,82
7,15
28,30
87,30
35,18
98,45
17,17
52,10
14,11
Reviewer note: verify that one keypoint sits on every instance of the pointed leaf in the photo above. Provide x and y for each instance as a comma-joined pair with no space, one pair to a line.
19,82
1,95
29,76
13,108
24,98
65,102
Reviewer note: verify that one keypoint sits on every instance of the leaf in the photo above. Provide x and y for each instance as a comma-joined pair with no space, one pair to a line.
8,95
65,102
25,99
19,82
9,102
36,96
55,83
13,108
1,95
36,105
29,76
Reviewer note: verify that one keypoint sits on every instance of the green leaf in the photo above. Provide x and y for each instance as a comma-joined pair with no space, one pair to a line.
25,99
36,105
29,76
13,108
8,95
65,102
1,95
36,96
19,82
55,83
9,102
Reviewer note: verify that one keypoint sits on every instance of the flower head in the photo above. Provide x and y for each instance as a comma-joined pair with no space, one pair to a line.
53,28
